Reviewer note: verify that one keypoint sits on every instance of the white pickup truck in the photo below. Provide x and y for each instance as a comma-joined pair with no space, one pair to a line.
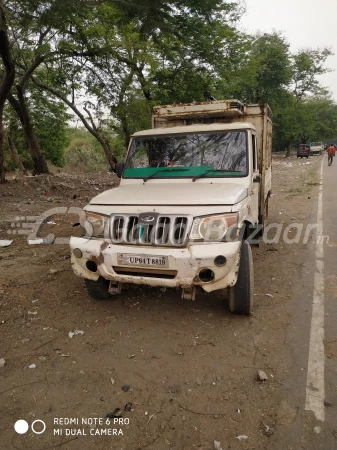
194,190
316,148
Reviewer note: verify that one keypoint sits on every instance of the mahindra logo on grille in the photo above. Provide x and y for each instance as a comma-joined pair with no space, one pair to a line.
147,218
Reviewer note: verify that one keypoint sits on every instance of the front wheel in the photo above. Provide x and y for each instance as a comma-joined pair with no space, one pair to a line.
241,294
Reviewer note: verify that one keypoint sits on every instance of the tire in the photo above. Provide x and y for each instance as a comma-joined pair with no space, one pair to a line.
99,290
241,295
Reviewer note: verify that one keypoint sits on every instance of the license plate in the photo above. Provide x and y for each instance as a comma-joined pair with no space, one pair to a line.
127,259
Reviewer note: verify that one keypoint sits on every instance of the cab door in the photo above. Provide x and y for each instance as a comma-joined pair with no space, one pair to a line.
253,208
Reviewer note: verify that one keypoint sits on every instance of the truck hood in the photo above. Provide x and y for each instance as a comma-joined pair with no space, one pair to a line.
173,194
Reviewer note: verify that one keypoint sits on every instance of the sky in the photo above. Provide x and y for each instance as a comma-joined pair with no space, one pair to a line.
305,24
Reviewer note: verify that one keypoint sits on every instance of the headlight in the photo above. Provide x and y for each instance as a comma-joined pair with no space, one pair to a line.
214,228
95,225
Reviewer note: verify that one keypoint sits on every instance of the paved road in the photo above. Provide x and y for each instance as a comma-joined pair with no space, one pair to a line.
329,427
312,335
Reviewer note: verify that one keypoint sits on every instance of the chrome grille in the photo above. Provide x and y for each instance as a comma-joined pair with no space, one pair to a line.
167,229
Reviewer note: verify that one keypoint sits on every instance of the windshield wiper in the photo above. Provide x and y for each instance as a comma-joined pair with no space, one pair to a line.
211,170
166,169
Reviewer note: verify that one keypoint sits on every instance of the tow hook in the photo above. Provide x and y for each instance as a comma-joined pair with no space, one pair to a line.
115,288
189,293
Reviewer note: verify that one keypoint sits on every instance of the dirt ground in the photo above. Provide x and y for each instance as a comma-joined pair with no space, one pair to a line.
188,369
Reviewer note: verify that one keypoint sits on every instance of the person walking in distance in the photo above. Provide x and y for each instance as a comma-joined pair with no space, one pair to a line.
331,154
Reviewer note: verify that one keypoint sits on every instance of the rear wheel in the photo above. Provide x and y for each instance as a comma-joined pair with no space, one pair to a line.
241,295
99,290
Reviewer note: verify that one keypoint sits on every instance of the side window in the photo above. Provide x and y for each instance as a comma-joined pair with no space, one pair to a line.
255,165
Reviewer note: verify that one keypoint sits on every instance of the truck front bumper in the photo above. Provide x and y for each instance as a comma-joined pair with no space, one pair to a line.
187,267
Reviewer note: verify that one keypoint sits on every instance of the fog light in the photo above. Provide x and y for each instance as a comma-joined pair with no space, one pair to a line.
92,266
206,275
77,252
220,260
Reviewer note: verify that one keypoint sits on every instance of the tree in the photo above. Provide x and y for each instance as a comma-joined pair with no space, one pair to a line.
265,71
270,73
50,118
307,65
38,29
317,119
15,154
88,123
302,125
117,51
7,79
26,44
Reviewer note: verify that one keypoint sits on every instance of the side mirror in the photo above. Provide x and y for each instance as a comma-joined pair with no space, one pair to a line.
119,169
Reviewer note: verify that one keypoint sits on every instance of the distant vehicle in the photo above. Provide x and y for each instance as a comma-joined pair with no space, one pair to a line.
316,148
303,151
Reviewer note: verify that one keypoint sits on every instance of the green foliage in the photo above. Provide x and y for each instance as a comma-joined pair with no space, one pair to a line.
50,123
127,56
307,65
270,73
134,114
319,116
206,50
300,122
50,120
264,71
85,153
284,120
82,153
300,117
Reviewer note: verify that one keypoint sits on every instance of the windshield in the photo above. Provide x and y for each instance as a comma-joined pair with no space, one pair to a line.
210,154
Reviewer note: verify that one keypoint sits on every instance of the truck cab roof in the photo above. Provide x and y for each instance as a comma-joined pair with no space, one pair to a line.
199,127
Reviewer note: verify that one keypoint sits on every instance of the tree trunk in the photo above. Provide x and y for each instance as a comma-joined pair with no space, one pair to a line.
40,163
288,151
121,109
16,155
109,156
7,80
126,130
2,156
